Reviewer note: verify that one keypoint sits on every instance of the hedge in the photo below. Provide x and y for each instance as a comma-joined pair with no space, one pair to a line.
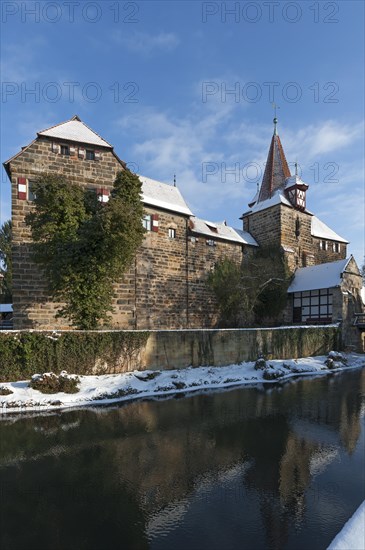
24,353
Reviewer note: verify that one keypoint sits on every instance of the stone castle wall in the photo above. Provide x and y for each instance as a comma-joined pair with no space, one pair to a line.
166,286
283,226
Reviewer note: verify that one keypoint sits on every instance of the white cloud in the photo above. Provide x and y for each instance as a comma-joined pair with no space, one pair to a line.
166,144
146,44
326,137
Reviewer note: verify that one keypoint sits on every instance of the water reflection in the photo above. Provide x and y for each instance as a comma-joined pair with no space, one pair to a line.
250,468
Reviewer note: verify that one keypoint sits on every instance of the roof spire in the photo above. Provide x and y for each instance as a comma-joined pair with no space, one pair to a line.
174,180
276,170
275,121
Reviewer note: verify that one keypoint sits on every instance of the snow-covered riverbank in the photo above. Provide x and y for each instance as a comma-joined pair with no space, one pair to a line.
109,388
352,534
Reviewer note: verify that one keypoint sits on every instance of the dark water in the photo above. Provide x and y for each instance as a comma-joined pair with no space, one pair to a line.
254,468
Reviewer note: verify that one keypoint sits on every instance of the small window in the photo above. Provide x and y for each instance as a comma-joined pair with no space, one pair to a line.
172,233
90,155
323,245
336,247
147,222
31,194
65,150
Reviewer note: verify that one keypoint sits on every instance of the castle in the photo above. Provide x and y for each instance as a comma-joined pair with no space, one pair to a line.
166,287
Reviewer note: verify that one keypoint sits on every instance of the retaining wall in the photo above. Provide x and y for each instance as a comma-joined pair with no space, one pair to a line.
23,353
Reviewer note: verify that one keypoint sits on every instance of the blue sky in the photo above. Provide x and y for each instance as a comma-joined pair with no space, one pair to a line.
187,88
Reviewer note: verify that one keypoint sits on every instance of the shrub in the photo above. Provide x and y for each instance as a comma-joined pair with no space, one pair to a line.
49,382
260,364
5,391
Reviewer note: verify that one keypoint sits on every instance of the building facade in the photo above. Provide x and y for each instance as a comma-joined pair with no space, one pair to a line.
166,286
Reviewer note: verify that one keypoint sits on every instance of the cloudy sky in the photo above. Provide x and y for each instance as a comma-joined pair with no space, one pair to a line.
187,88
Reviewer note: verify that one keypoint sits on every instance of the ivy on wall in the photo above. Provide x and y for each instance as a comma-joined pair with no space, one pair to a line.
23,354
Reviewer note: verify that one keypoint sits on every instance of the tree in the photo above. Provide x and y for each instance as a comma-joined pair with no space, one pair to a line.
253,292
6,268
84,245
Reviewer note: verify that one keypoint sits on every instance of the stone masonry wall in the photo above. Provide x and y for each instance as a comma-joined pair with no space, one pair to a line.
166,286
31,303
278,226
264,226
202,307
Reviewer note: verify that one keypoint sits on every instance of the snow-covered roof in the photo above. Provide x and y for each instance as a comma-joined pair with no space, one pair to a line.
75,130
221,231
318,276
294,180
277,198
321,230
163,195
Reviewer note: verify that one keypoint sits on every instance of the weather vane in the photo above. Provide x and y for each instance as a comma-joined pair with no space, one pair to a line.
275,107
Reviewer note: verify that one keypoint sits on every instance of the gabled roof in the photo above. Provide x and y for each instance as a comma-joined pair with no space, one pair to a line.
319,276
321,230
220,230
163,195
75,130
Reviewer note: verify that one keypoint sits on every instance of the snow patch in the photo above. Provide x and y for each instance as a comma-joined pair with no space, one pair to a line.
111,388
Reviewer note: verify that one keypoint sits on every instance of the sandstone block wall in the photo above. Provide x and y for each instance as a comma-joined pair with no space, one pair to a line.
283,226
166,286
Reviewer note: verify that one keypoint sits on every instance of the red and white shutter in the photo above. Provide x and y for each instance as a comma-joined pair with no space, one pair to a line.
82,152
97,155
72,151
103,195
22,189
154,226
56,148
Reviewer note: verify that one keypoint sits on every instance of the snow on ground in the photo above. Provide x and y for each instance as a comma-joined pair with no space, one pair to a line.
352,534
110,388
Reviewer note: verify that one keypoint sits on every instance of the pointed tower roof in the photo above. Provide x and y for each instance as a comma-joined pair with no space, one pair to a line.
276,171
75,130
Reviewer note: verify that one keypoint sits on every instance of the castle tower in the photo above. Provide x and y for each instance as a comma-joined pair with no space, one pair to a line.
278,215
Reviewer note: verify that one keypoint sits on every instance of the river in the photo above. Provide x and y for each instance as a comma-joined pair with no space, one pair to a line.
275,467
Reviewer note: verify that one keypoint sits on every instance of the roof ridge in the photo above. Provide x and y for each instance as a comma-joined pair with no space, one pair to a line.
76,118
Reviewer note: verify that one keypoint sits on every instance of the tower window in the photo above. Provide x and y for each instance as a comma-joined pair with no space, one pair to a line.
172,233
297,227
65,150
90,155
336,247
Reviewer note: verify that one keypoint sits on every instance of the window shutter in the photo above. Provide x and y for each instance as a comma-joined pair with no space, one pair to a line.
22,189
155,223
72,151
103,195
56,148
82,153
97,155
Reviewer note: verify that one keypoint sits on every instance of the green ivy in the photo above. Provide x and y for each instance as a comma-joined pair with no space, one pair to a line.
23,354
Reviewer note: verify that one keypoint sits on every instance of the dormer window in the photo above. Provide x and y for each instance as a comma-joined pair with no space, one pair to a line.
90,154
65,150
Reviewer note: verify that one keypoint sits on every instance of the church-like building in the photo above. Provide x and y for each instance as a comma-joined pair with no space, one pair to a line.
166,287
